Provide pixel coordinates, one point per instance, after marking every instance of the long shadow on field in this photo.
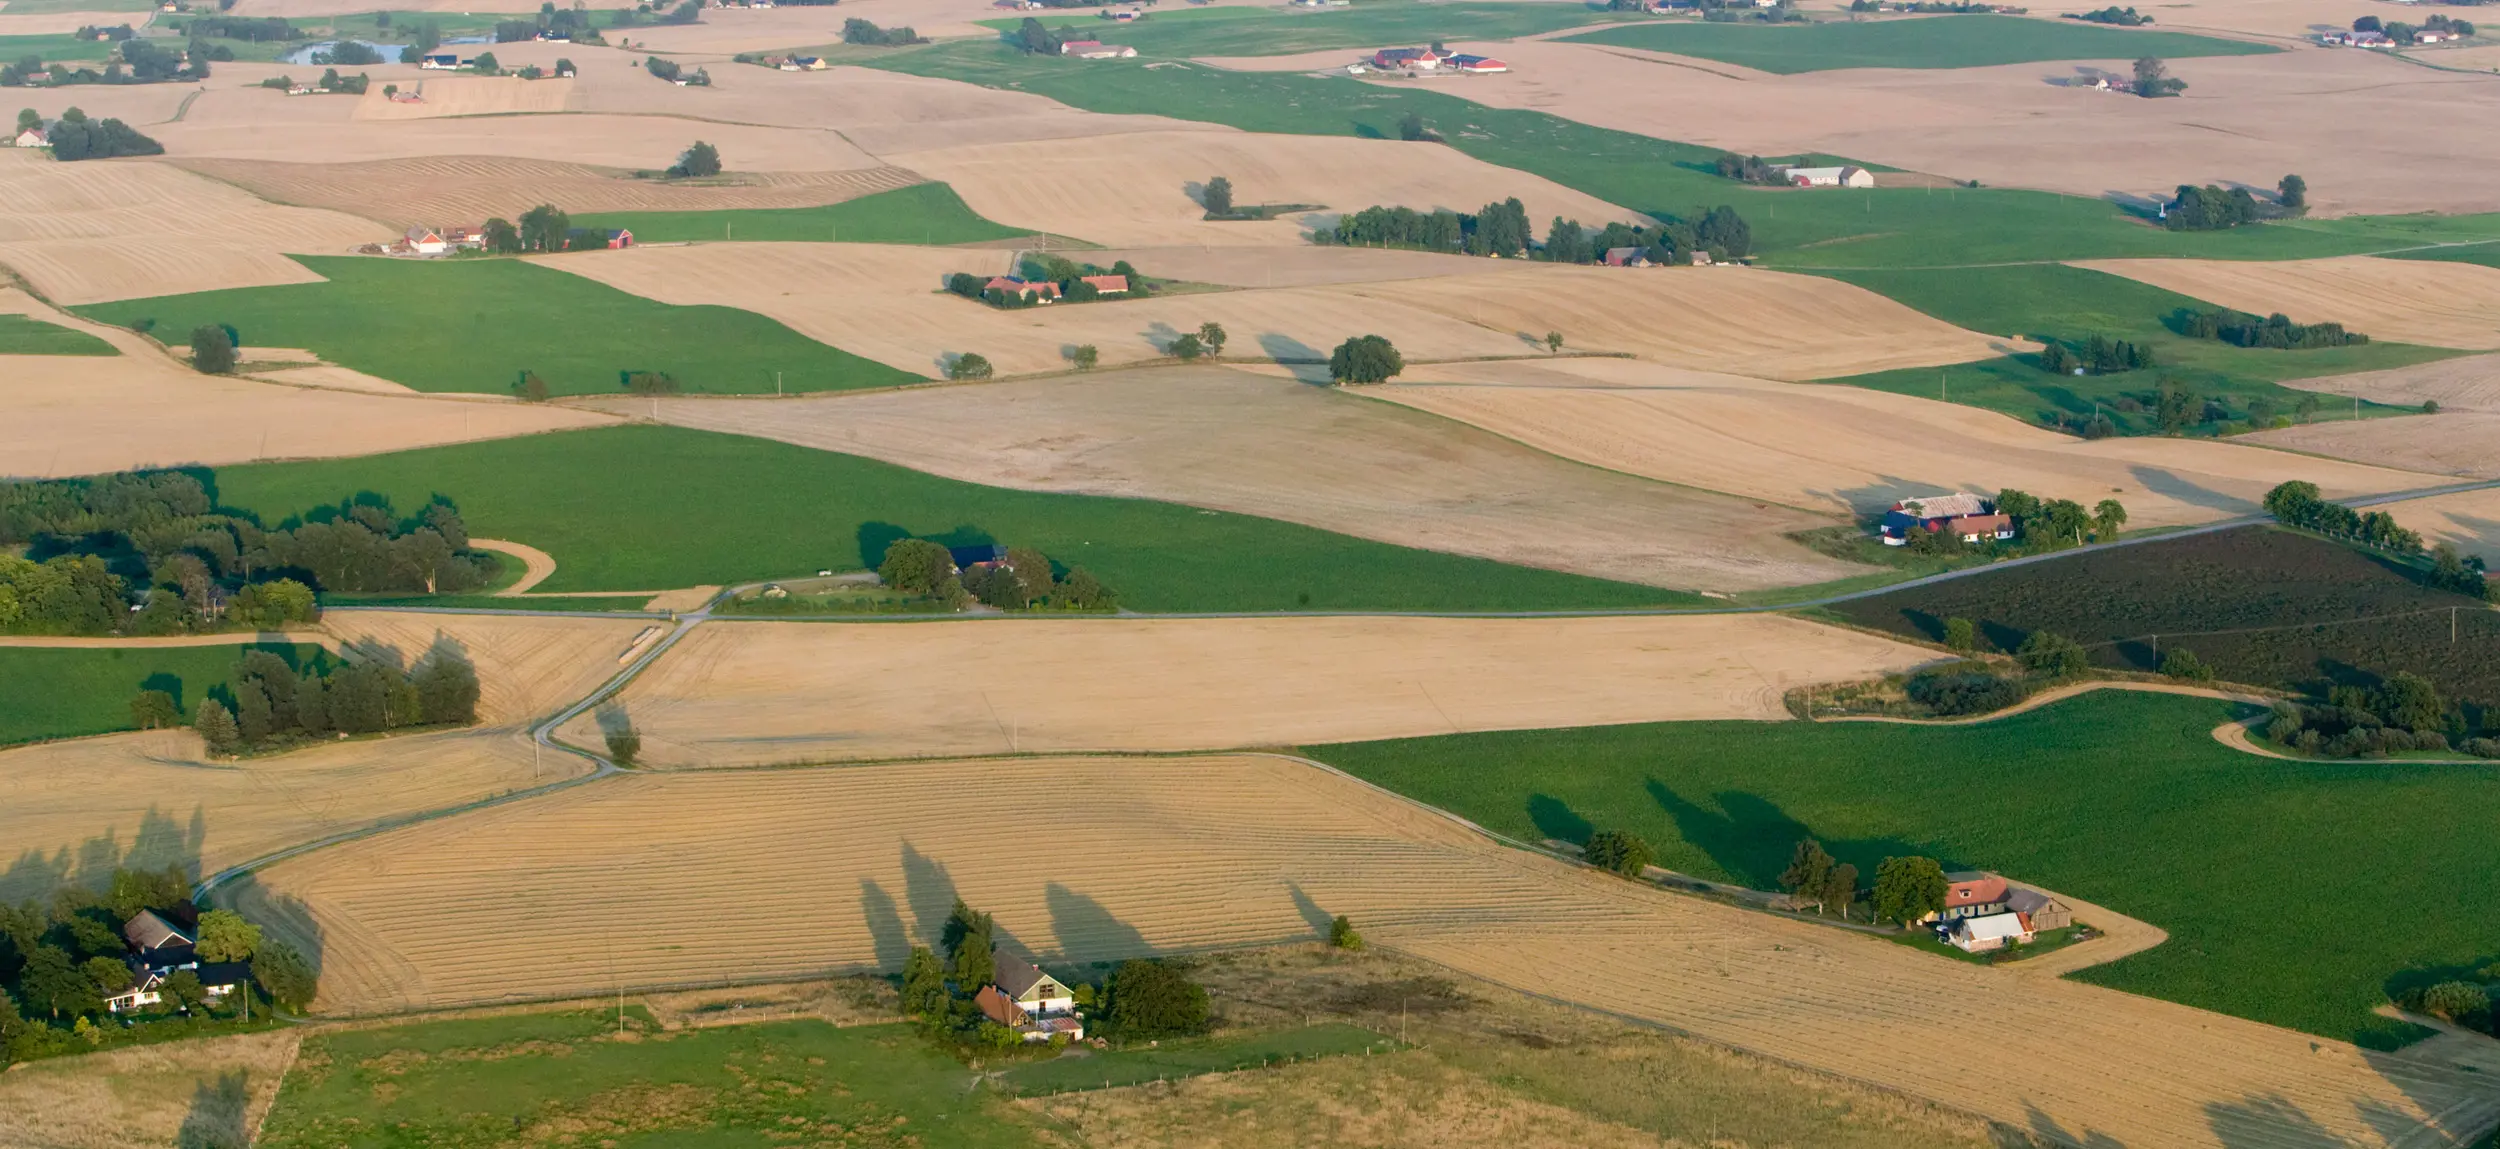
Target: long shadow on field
(2046, 1129)
(1554, 818)
(1306, 362)
(280, 916)
(2270, 1121)
(1081, 925)
(885, 925)
(877, 538)
(2161, 482)
(930, 893)
(1752, 839)
(219, 1116)
(161, 842)
(1318, 919)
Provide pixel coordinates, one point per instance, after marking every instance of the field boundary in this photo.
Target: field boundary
(2238, 734)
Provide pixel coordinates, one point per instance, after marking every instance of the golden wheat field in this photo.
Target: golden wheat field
(467, 96)
(750, 693)
(1256, 444)
(526, 666)
(88, 232)
(75, 415)
(1848, 449)
(2468, 521)
(439, 190)
(2465, 443)
(200, 1092)
(779, 873)
(2428, 301)
(1136, 189)
(2464, 383)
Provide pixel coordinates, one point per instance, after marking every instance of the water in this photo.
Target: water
(304, 55)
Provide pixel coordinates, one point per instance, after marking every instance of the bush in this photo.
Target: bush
(2455, 1000)
(2053, 655)
(969, 365)
(1365, 359)
(2186, 667)
(1152, 999)
(1619, 851)
(1341, 934)
(212, 350)
(1971, 689)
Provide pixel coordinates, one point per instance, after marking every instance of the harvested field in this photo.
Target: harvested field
(469, 96)
(1276, 448)
(734, 694)
(200, 1092)
(527, 666)
(49, 23)
(69, 415)
(86, 232)
(1297, 266)
(1135, 190)
(2468, 383)
(1847, 449)
(2465, 443)
(2427, 301)
(437, 188)
(514, 902)
(2469, 521)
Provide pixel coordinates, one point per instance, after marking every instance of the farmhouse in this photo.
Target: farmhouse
(441, 62)
(463, 235)
(1972, 894)
(159, 949)
(1107, 284)
(1844, 177)
(1478, 65)
(33, 138)
(1968, 517)
(1991, 932)
(1034, 1004)
(1418, 59)
(1627, 257)
(423, 240)
(1043, 290)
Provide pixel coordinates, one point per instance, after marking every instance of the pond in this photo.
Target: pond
(304, 55)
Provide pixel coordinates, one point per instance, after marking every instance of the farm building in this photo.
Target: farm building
(564, 69)
(1034, 1004)
(1419, 59)
(798, 63)
(2434, 37)
(1844, 177)
(1478, 65)
(1971, 518)
(441, 62)
(1627, 257)
(463, 235)
(1107, 284)
(619, 238)
(1972, 894)
(423, 240)
(1095, 50)
(1043, 290)
(1992, 932)
(159, 948)
(2043, 911)
(33, 138)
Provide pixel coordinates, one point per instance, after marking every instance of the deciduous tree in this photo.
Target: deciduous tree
(1808, 869)
(1218, 196)
(154, 710)
(1211, 334)
(1085, 356)
(1365, 359)
(1908, 889)
(217, 729)
(1620, 851)
(697, 162)
(212, 350)
(1151, 999)
(225, 936)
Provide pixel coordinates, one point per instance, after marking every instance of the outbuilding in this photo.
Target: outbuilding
(2043, 910)
(1841, 177)
(1991, 932)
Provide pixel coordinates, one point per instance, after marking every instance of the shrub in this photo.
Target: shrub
(648, 382)
(1152, 999)
(1969, 689)
(212, 350)
(1365, 359)
(1620, 851)
(2455, 1000)
(969, 365)
(1341, 934)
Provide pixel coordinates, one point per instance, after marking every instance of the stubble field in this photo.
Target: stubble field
(2469, 521)
(1281, 449)
(2466, 443)
(740, 694)
(516, 902)
(2435, 302)
(202, 1092)
(441, 190)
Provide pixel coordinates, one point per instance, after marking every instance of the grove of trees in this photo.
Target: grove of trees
(1813, 876)
(268, 705)
(2153, 79)
(75, 137)
(2275, 332)
(866, 34)
(1024, 580)
(1502, 229)
(2210, 208)
(697, 162)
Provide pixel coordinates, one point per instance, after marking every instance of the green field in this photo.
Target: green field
(929, 213)
(476, 324)
(1282, 31)
(1173, 1060)
(2069, 304)
(1927, 42)
(643, 507)
(1881, 227)
(70, 692)
(567, 1078)
(23, 335)
(2291, 890)
(59, 47)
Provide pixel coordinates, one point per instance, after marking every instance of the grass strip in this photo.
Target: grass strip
(929, 213)
(1173, 1060)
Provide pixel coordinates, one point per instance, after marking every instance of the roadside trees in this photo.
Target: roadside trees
(1620, 851)
(1908, 889)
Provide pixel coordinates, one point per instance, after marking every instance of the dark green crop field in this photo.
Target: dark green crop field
(2291, 890)
(2052, 301)
(69, 692)
(929, 213)
(23, 335)
(476, 324)
(643, 508)
(1283, 31)
(2262, 606)
(1926, 42)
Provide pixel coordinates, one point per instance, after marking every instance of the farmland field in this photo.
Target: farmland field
(2344, 617)
(1934, 42)
(25, 335)
(66, 692)
(929, 213)
(2118, 798)
(546, 1078)
(392, 318)
(197, 1092)
(1280, 31)
(642, 508)
(2071, 304)
(1179, 1059)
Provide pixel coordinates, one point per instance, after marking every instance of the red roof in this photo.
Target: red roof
(1014, 286)
(999, 1007)
(1975, 890)
(1108, 284)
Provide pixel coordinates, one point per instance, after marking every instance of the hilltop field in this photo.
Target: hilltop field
(1236, 621)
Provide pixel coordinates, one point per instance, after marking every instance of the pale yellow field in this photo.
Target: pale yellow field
(2427, 301)
(93, 231)
(752, 693)
(1260, 445)
(2465, 383)
(1135, 190)
(780, 873)
(145, 1097)
(2466, 443)
(2469, 521)
(467, 96)
(1849, 449)
(60, 23)
(441, 191)
(75, 415)
(73, 810)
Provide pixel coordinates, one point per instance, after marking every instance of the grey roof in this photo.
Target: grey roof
(2025, 901)
(1016, 975)
(149, 931)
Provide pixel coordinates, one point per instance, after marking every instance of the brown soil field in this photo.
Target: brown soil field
(1847, 449)
(2427, 301)
(734, 694)
(146, 1096)
(2465, 443)
(440, 189)
(519, 901)
(468, 96)
(1254, 444)
(1134, 190)
(88, 232)
(78, 415)
(2465, 383)
(2469, 521)
(73, 810)
(1988, 123)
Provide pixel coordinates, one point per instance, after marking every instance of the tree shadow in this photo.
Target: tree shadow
(886, 934)
(1082, 926)
(281, 915)
(2271, 1121)
(1309, 364)
(160, 843)
(2046, 1128)
(929, 892)
(220, 1115)
(612, 717)
(1554, 818)
(1751, 839)
(2162, 482)
(168, 682)
(1312, 915)
(877, 538)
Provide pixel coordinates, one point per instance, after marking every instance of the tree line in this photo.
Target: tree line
(2210, 208)
(1502, 229)
(2122, 17)
(155, 540)
(2099, 355)
(59, 960)
(1025, 579)
(2297, 504)
(75, 137)
(268, 706)
(867, 34)
(2275, 332)
(672, 72)
(2404, 712)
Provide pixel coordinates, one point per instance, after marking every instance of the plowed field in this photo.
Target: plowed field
(780, 873)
